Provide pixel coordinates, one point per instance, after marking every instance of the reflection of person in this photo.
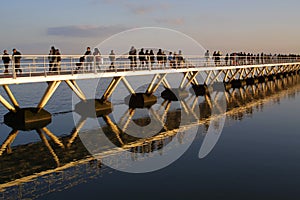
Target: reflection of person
(112, 58)
(17, 60)
(6, 60)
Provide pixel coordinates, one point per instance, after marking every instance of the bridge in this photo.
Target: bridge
(35, 69)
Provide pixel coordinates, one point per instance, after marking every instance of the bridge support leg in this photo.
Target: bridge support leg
(190, 77)
(49, 92)
(154, 86)
(75, 88)
(11, 96)
(128, 86)
(111, 88)
(7, 105)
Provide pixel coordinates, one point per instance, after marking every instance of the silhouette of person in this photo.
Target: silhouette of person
(142, 58)
(51, 58)
(159, 57)
(147, 57)
(6, 60)
(57, 60)
(97, 56)
(180, 59)
(89, 58)
(112, 58)
(152, 58)
(132, 57)
(17, 60)
(171, 59)
(206, 55)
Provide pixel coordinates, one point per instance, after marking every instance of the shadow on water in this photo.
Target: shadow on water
(56, 163)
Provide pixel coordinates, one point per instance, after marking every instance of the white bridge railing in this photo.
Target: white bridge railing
(41, 65)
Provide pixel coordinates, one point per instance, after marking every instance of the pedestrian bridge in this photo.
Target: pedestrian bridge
(236, 71)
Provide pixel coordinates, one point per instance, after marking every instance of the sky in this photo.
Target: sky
(33, 26)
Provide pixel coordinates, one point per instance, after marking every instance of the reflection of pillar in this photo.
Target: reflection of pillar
(9, 140)
(46, 142)
(156, 116)
(129, 115)
(114, 128)
(53, 137)
(77, 128)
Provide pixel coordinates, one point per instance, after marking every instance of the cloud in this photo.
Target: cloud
(175, 21)
(84, 30)
(140, 10)
(146, 8)
(136, 8)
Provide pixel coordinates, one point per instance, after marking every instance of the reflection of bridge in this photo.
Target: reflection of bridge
(35, 69)
(62, 155)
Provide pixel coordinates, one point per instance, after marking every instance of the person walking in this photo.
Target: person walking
(6, 61)
(17, 60)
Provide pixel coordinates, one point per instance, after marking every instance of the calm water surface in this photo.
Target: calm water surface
(256, 157)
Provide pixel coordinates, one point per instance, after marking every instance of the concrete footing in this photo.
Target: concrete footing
(28, 119)
(174, 94)
(199, 90)
(140, 100)
(93, 108)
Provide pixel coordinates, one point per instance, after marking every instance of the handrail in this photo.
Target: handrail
(45, 65)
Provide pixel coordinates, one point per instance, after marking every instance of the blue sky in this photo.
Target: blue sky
(32, 26)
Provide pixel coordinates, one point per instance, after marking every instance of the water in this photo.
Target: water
(257, 155)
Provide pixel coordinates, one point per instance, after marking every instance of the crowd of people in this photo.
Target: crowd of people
(147, 58)
(243, 58)
(138, 59)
